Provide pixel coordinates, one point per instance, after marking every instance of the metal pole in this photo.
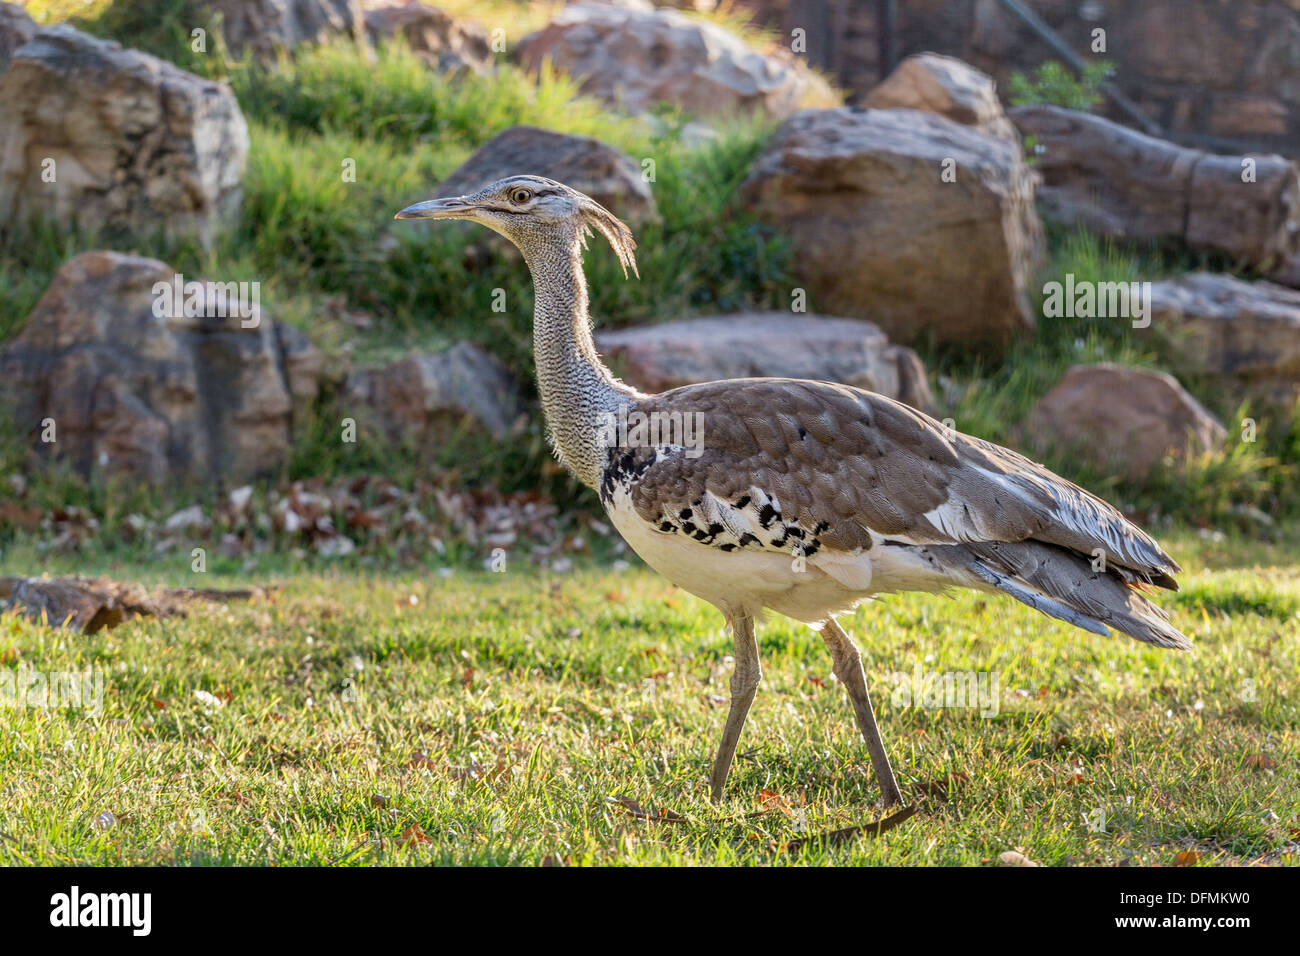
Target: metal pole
(1078, 64)
(886, 35)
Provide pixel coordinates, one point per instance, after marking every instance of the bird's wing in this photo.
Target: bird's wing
(833, 466)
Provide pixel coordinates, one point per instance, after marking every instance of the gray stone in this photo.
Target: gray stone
(878, 233)
(132, 389)
(111, 139)
(656, 358)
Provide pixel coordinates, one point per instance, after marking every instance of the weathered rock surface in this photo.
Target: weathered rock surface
(1119, 182)
(113, 139)
(607, 175)
(1199, 68)
(434, 396)
(1244, 334)
(943, 85)
(16, 28)
(656, 358)
(1125, 420)
(91, 605)
(133, 389)
(878, 233)
(268, 27)
(438, 38)
(635, 59)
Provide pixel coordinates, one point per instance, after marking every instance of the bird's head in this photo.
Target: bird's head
(535, 214)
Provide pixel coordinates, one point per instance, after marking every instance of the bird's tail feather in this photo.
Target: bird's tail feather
(1064, 585)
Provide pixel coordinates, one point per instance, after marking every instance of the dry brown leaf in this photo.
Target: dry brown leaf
(413, 836)
(1258, 762)
(1014, 858)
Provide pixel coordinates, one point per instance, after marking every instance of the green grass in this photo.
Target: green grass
(539, 700)
(502, 716)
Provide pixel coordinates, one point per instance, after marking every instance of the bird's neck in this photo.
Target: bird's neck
(578, 392)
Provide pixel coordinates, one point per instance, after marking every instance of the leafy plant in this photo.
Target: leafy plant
(1052, 84)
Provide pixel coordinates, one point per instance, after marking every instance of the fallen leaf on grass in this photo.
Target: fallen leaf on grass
(1014, 858)
(1187, 858)
(420, 760)
(1259, 762)
(636, 811)
(413, 836)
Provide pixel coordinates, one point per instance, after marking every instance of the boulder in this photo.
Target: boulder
(1244, 335)
(879, 232)
(109, 139)
(635, 59)
(607, 175)
(16, 28)
(448, 44)
(134, 385)
(1121, 420)
(656, 358)
(1119, 182)
(947, 86)
(425, 397)
(269, 27)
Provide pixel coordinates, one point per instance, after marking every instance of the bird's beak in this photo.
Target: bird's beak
(456, 208)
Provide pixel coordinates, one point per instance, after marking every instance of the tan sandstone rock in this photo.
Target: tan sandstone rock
(432, 397)
(1245, 335)
(943, 85)
(448, 44)
(656, 358)
(878, 233)
(114, 140)
(1121, 420)
(1119, 182)
(132, 389)
(635, 59)
(16, 28)
(268, 27)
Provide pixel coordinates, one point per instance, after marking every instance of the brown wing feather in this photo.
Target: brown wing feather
(852, 460)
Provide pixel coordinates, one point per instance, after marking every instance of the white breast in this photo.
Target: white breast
(806, 589)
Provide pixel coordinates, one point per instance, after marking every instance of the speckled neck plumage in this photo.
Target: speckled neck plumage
(575, 386)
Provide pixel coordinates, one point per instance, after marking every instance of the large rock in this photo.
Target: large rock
(16, 28)
(448, 44)
(635, 59)
(1245, 335)
(1121, 420)
(878, 233)
(758, 344)
(425, 397)
(607, 175)
(269, 27)
(111, 139)
(135, 386)
(943, 85)
(1119, 182)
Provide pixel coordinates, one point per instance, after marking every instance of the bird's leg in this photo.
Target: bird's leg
(744, 683)
(847, 663)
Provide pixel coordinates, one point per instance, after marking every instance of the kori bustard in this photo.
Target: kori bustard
(804, 497)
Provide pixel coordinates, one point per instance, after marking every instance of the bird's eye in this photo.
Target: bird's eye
(520, 196)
